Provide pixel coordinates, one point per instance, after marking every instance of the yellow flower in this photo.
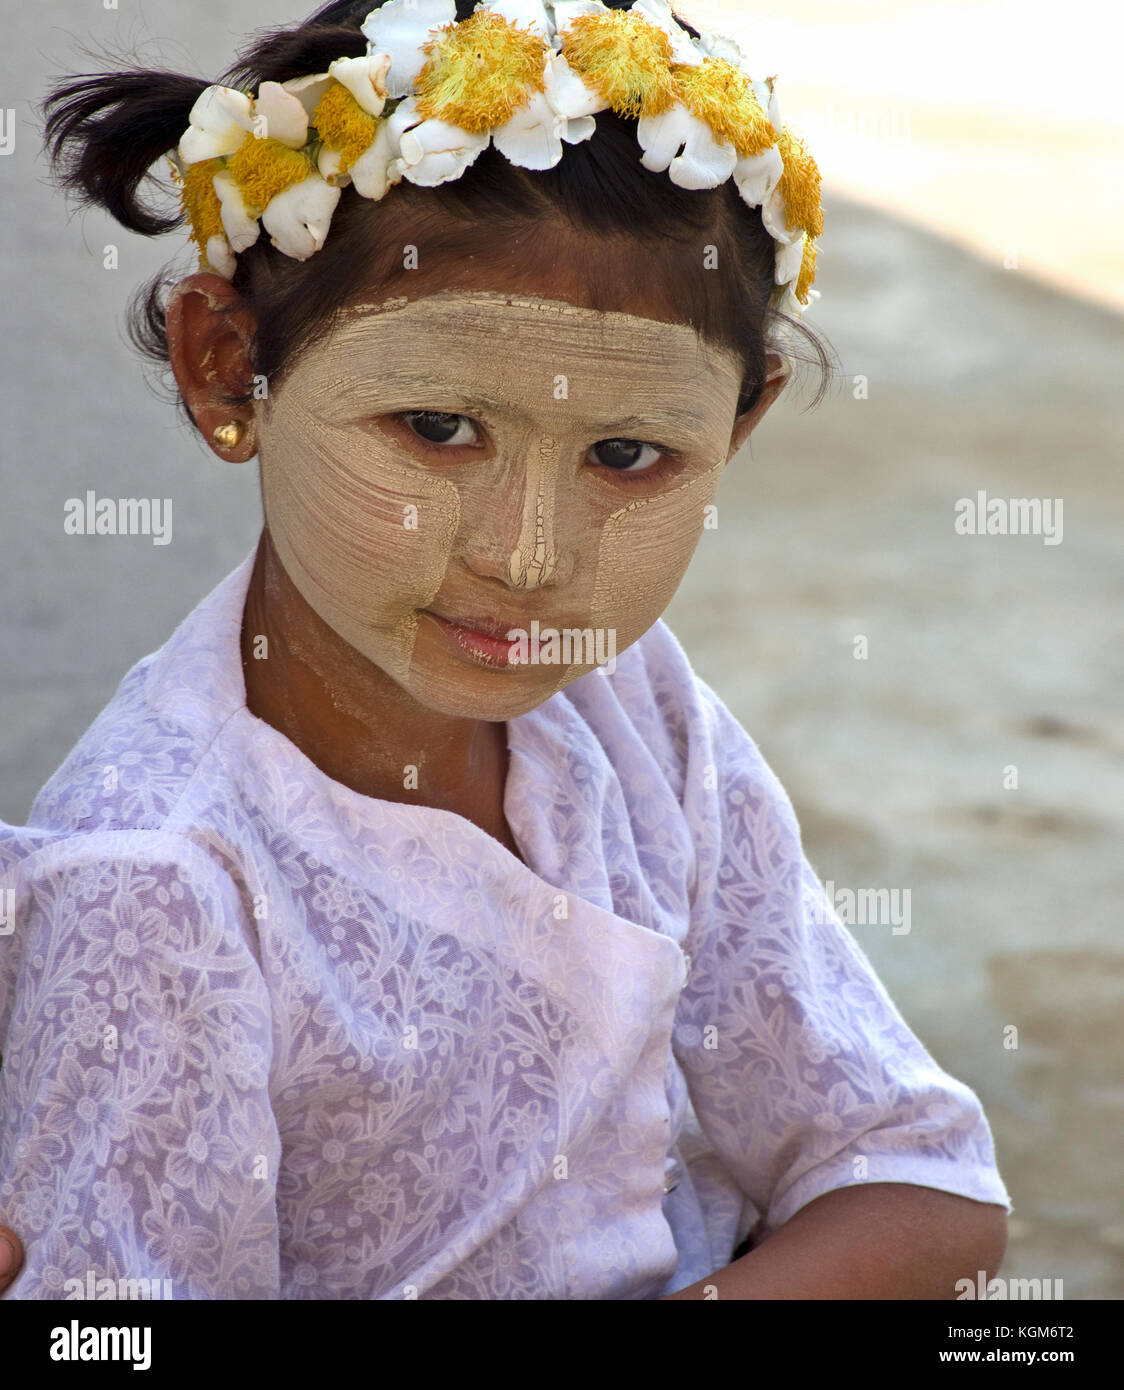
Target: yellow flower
(625, 58)
(807, 270)
(201, 204)
(343, 125)
(264, 168)
(799, 186)
(478, 74)
(723, 99)
(398, 29)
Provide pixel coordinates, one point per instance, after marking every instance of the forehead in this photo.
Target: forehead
(496, 348)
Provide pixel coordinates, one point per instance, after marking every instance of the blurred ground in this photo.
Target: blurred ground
(985, 652)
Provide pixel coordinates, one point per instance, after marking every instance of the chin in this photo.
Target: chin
(464, 690)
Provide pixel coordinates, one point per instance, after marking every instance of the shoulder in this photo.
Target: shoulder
(127, 770)
(135, 912)
(33, 854)
(59, 877)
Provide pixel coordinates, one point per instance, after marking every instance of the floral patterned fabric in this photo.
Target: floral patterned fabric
(264, 1037)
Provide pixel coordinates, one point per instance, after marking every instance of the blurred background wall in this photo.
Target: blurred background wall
(970, 749)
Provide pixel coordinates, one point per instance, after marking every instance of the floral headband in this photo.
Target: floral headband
(525, 75)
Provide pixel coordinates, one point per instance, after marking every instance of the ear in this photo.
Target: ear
(209, 350)
(778, 372)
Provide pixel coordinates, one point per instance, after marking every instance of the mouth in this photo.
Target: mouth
(484, 644)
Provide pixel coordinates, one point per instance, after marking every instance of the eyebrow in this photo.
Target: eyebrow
(399, 378)
(682, 417)
(690, 419)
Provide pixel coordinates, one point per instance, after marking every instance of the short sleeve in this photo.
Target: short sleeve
(137, 1139)
(802, 1073)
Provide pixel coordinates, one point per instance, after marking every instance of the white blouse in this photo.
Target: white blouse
(265, 1037)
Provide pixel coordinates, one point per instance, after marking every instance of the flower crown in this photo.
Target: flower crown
(527, 76)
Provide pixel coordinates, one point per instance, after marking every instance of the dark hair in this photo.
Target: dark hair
(106, 131)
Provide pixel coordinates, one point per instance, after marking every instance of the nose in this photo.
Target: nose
(534, 560)
(513, 533)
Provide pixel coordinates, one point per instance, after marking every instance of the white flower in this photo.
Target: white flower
(370, 172)
(380, 165)
(279, 115)
(365, 79)
(789, 259)
(766, 95)
(522, 13)
(309, 90)
(399, 28)
(567, 93)
(722, 46)
(773, 216)
(565, 11)
(222, 118)
(433, 151)
(756, 175)
(704, 163)
(683, 48)
(772, 203)
(531, 138)
(298, 219)
(241, 229)
(785, 300)
(577, 129)
(218, 123)
(220, 257)
(328, 167)
(436, 152)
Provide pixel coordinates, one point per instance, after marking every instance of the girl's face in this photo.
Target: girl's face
(486, 457)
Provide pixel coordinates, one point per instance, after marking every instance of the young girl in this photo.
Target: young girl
(415, 922)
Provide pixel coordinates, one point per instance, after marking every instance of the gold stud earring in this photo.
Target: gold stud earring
(229, 436)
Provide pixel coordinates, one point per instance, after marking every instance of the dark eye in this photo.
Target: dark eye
(438, 427)
(626, 455)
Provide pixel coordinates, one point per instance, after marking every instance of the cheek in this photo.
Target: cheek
(644, 553)
(359, 532)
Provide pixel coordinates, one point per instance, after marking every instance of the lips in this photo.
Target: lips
(485, 640)
(488, 627)
(484, 647)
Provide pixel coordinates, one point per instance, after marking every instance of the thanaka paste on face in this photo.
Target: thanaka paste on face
(371, 530)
